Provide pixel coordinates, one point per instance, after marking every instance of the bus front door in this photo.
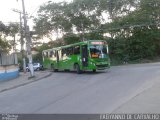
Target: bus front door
(57, 59)
(84, 55)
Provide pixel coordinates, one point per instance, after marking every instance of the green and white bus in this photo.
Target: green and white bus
(88, 55)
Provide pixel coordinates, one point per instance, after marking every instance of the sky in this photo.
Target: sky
(6, 6)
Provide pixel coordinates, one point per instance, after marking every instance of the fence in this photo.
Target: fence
(8, 59)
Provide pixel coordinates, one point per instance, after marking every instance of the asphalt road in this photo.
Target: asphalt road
(68, 92)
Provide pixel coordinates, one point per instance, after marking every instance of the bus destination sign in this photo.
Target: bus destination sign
(98, 43)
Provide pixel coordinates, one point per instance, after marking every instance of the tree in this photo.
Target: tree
(138, 32)
(12, 30)
(4, 45)
(117, 8)
(78, 16)
(132, 24)
(52, 19)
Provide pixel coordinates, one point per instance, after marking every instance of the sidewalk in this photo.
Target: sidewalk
(146, 102)
(23, 80)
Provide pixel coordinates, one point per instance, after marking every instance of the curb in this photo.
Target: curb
(48, 75)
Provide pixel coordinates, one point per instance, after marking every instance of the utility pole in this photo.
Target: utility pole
(21, 39)
(28, 40)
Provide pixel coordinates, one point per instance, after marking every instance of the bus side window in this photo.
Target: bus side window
(64, 52)
(67, 51)
(45, 54)
(60, 54)
(55, 54)
(70, 51)
(51, 54)
(76, 50)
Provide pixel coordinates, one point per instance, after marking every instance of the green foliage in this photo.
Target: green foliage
(2, 27)
(134, 25)
(80, 15)
(4, 45)
(137, 34)
(117, 8)
(71, 38)
(94, 36)
(11, 30)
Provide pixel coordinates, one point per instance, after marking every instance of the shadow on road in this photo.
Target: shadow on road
(84, 72)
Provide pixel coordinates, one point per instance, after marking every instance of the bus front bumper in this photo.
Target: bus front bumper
(102, 66)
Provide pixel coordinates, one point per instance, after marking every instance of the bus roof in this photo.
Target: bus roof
(70, 45)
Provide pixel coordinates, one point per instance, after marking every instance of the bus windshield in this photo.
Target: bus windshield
(98, 51)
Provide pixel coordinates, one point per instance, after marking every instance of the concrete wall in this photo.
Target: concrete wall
(9, 68)
(8, 59)
(9, 72)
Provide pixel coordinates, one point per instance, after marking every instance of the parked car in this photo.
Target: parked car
(36, 67)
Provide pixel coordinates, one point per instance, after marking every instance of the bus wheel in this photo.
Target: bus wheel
(54, 70)
(94, 70)
(78, 69)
